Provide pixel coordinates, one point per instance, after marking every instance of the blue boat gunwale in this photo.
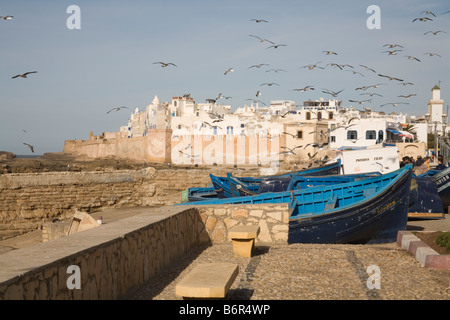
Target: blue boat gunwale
(394, 176)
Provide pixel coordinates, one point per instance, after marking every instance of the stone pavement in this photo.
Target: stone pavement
(315, 272)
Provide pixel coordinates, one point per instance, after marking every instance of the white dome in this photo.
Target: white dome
(155, 100)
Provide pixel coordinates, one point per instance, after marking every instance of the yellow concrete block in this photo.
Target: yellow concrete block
(244, 232)
(210, 280)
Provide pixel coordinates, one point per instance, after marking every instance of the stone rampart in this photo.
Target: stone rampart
(27, 200)
(108, 261)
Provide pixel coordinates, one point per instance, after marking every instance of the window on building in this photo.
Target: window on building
(308, 116)
(352, 134)
(299, 134)
(330, 115)
(380, 136)
(319, 115)
(179, 126)
(242, 125)
(174, 103)
(371, 135)
(229, 130)
(333, 139)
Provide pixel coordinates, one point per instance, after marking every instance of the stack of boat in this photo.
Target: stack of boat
(328, 207)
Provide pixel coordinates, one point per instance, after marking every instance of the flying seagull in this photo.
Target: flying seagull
(24, 75)
(9, 18)
(116, 109)
(434, 32)
(367, 68)
(276, 70)
(423, 19)
(389, 77)
(312, 66)
(393, 52)
(432, 54)
(334, 94)
(408, 96)
(277, 45)
(329, 52)
(258, 65)
(165, 64)
(228, 71)
(412, 58)
(256, 101)
(304, 89)
(259, 20)
(394, 104)
(392, 46)
(429, 12)
(261, 39)
(29, 146)
(269, 84)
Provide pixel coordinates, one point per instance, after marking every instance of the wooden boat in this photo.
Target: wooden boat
(442, 180)
(224, 189)
(367, 210)
(373, 214)
(293, 183)
(427, 203)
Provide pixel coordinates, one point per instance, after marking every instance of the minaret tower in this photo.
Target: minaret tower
(436, 109)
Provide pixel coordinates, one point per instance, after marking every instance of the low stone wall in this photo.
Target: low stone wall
(27, 200)
(118, 257)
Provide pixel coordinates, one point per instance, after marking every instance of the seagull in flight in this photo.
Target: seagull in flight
(412, 58)
(434, 32)
(429, 12)
(9, 18)
(423, 19)
(389, 77)
(307, 88)
(371, 94)
(269, 84)
(256, 101)
(329, 52)
(259, 20)
(258, 65)
(24, 75)
(393, 52)
(29, 146)
(277, 45)
(367, 68)
(165, 64)
(356, 72)
(276, 70)
(334, 94)
(432, 54)
(261, 39)
(312, 66)
(228, 71)
(116, 109)
(361, 101)
(408, 96)
(392, 46)
(394, 104)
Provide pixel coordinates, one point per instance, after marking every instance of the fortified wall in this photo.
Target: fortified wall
(161, 147)
(28, 200)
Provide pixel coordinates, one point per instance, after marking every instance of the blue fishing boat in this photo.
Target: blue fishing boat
(225, 189)
(360, 211)
(442, 179)
(293, 182)
(427, 202)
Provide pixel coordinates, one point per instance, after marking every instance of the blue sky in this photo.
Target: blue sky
(84, 73)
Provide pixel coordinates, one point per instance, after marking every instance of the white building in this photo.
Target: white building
(435, 112)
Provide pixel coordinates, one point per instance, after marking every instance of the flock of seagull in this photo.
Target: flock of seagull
(391, 50)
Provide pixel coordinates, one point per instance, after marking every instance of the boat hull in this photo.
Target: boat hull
(376, 220)
(442, 179)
